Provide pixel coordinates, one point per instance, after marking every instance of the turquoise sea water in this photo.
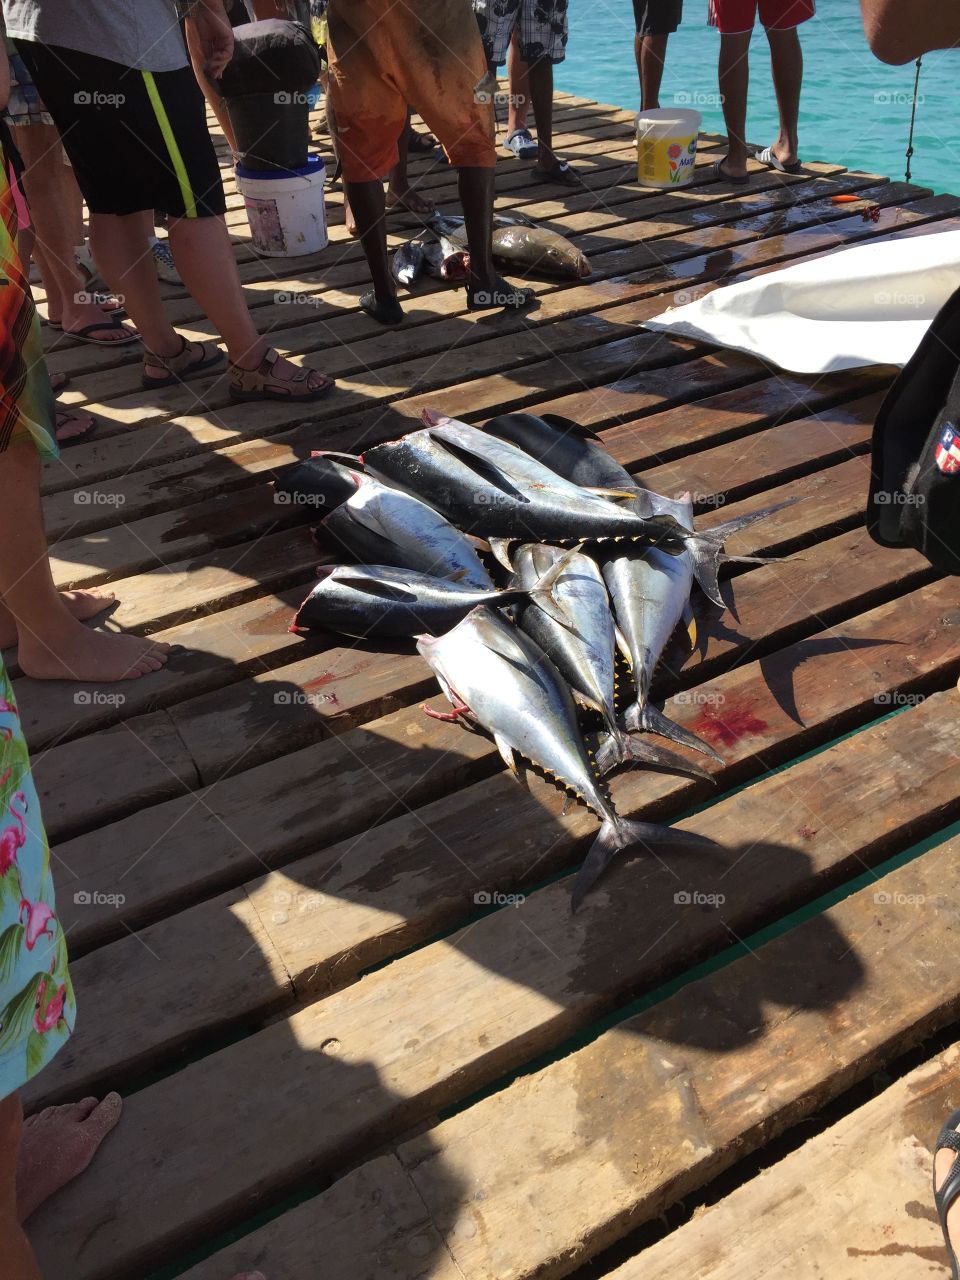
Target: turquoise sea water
(855, 110)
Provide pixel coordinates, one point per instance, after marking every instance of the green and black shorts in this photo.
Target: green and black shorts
(136, 139)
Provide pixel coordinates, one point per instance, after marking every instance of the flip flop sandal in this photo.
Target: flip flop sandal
(260, 384)
(520, 143)
(767, 157)
(382, 312)
(393, 210)
(948, 1193)
(735, 180)
(86, 333)
(560, 172)
(502, 296)
(181, 367)
(64, 417)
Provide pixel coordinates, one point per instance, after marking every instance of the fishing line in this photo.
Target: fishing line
(913, 116)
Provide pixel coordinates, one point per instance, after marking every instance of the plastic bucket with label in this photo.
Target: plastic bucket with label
(667, 146)
(285, 209)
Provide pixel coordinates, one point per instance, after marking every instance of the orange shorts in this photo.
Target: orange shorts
(386, 56)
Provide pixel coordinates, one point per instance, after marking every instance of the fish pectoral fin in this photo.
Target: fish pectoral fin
(349, 459)
(483, 467)
(370, 587)
(568, 426)
(507, 754)
(500, 550)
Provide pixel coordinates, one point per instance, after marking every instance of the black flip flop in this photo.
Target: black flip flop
(382, 312)
(502, 297)
(85, 334)
(420, 143)
(766, 157)
(735, 180)
(560, 172)
(948, 1193)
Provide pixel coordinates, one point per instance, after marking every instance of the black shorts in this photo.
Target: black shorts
(136, 139)
(657, 17)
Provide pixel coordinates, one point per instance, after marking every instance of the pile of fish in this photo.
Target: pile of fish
(594, 571)
(519, 245)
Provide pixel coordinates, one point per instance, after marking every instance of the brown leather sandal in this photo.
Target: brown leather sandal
(184, 365)
(261, 384)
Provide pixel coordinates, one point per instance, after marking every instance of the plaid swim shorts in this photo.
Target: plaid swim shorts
(25, 105)
(541, 24)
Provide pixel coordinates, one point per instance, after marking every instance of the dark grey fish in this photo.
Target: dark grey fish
(408, 263)
(493, 489)
(379, 600)
(499, 677)
(319, 482)
(576, 454)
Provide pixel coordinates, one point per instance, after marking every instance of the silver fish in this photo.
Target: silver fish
(379, 600)
(583, 648)
(500, 678)
(523, 246)
(380, 525)
(651, 594)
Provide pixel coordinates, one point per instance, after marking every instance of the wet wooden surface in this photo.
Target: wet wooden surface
(277, 874)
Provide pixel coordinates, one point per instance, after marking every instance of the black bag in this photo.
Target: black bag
(272, 56)
(915, 477)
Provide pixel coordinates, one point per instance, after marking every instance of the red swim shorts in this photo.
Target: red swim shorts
(734, 17)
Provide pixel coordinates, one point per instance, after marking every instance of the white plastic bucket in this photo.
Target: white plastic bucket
(285, 209)
(667, 146)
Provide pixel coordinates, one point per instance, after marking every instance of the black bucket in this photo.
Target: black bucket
(272, 129)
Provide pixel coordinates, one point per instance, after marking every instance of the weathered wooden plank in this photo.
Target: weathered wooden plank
(865, 1184)
(566, 1161)
(511, 984)
(324, 928)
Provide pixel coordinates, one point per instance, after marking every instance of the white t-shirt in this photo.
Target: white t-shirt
(144, 34)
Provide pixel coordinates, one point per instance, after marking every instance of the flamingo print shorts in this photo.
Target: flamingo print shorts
(36, 999)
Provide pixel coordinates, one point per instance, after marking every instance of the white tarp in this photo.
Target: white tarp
(870, 304)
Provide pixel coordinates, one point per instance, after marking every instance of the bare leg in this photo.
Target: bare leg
(400, 194)
(651, 53)
(123, 255)
(19, 1262)
(734, 79)
(541, 95)
(57, 211)
(53, 644)
(786, 63)
(476, 196)
(518, 73)
(369, 209)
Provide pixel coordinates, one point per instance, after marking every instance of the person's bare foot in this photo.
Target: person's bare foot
(76, 652)
(81, 605)
(410, 201)
(57, 1145)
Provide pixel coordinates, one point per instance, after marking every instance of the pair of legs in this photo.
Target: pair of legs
(786, 61)
(40, 1155)
(651, 53)
(531, 85)
(56, 210)
(400, 194)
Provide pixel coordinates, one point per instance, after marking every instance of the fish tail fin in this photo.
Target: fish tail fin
(617, 835)
(619, 748)
(649, 719)
(706, 548)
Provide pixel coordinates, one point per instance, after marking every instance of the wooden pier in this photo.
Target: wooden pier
(323, 944)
